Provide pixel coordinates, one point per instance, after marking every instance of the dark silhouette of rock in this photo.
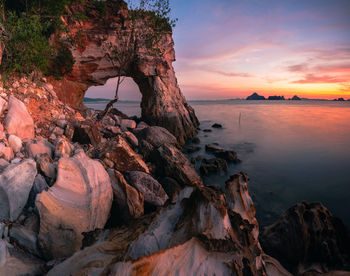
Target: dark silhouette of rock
(276, 98)
(296, 98)
(196, 140)
(207, 130)
(307, 236)
(216, 125)
(192, 149)
(255, 96)
(213, 165)
(219, 152)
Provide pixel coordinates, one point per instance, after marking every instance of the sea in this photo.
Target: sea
(293, 151)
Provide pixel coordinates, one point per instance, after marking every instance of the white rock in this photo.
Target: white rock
(15, 184)
(18, 121)
(15, 143)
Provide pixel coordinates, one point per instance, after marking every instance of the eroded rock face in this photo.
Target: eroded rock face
(79, 201)
(201, 231)
(307, 237)
(162, 101)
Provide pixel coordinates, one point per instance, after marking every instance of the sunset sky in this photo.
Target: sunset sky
(232, 48)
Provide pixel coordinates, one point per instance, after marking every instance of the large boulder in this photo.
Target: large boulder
(156, 136)
(307, 237)
(129, 200)
(78, 202)
(171, 162)
(15, 184)
(122, 155)
(18, 121)
(39, 146)
(151, 189)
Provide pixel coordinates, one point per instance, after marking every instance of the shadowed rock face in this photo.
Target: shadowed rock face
(162, 101)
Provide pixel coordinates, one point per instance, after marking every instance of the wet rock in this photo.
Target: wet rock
(45, 164)
(213, 148)
(196, 140)
(39, 146)
(207, 130)
(171, 162)
(216, 125)
(192, 149)
(151, 189)
(127, 124)
(39, 186)
(122, 155)
(157, 136)
(15, 184)
(18, 121)
(26, 239)
(78, 202)
(213, 165)
(219, 152)
(15, 143)
(307, 237)
(129, 200)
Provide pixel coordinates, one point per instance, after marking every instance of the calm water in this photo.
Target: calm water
(292, 151)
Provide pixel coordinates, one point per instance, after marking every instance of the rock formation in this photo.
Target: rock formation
(307, 237)
(162, 101)
(79, 202)
(255, 96)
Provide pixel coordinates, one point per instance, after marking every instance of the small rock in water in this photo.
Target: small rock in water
(191, 149)
(196, 140)
(216, 125)
(207, 130)
(214, 165)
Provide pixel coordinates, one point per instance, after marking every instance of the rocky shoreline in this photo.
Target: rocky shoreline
(119, 197)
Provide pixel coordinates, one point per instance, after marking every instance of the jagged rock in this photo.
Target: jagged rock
(162, 101)
(18, 121)
(255, 96)
(151, 189)
(307, 237)
(213, 165)
(63, 148)
(171, 162)
(6, 152)
(131, 138)
(15, 262)
(129, 200)
(127, 124)
(39, 186)
(145, 149)
(78, 202)
(15, 143)
(219, 152)
(45, 164)
(15, 184)
(201, 231)
(171, 187)
(3, 105)
(87, 133)
(157, 136)
(39, 146)
(25, 238)
(122, 155)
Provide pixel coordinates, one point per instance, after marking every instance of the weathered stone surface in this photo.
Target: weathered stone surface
(151, 189)
(213, 165)
(129, 200)
(15, 184)
(162, 101)
(127, 124)
(18, 121)
(15, 143)
(122, 155)
(63, 148)
(45, 164)
(157, 136)
(39, 146)
(170, 161)
(79, 201)
(3, 105)
(15, 262)
(25, 238)
(131, 138)
(6, 152)
(87, 133)
(307, 237)
(39, 186)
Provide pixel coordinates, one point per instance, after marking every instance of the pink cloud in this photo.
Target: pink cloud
(311, 78)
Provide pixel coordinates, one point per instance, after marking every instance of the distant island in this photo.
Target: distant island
(256, 97)
(87, 100)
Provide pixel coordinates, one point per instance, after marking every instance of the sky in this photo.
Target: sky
(231, 48)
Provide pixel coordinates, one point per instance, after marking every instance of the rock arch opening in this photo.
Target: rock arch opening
(129, 96)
